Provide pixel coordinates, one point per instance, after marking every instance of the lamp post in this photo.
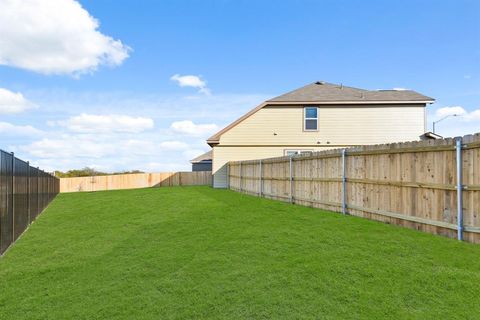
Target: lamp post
(448, 116)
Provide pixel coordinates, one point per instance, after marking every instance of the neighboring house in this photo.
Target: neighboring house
(316, 117)
(430, 136)
(202, 162)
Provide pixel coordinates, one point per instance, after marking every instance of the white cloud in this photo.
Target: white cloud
(91, 123)
(459, 111)
(191, 81)
(71, 146)
(474, 115)
(13, 102)
(14, 130)
(450, 111)
(400, 89)
(108, 152)
(193, 153)
(54, 37)
(68, 147)
(187, 127)
(467, 122)
(174, 145)
(62, 149)
(167, 166)
(138, 147)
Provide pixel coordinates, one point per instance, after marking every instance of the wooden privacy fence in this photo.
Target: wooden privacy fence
(432, 186)
(135, 180)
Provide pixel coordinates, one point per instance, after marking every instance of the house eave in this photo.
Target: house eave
(347, 102)
(213, 143)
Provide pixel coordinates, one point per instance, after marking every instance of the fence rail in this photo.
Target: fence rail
(135, 180)
(432, 186)
(24, 192)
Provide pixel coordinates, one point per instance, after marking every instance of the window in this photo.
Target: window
(292, 153)
(310, 119)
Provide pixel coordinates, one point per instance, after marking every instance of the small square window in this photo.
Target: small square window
(310, 119)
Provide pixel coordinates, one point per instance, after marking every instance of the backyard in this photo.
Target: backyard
(198, 253)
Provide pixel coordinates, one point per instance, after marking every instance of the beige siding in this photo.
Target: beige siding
(341, 125)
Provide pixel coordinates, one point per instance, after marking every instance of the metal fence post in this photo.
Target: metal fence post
(13, 197)
(344, 181)
(458, 148)
(261, 178)
(291, 179)
(38, 192)
(28, 192)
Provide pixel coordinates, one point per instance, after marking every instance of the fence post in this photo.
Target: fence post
(344, 181)
(228, 175)
(458, 148)
(38, 193)
(261, 178)
(28, 191)
(13, 197)
(241, 173)
(291, 179)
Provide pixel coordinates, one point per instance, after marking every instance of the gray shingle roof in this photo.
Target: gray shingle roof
(203, 157)
(328, 92)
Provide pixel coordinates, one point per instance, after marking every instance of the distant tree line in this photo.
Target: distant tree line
(87, 172)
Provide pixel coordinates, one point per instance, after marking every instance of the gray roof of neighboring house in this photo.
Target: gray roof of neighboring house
(321, 91)
(431, 135)
(207, 156)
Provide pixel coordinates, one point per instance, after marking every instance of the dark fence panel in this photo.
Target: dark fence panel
(34, 204)
(6, 194)
(20, 197)
(24, 192)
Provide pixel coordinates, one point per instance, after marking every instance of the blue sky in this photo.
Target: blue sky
(105, 97)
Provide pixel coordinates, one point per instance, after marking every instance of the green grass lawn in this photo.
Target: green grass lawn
(200, 253)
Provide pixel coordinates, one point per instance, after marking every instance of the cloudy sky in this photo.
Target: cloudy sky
(141, 84)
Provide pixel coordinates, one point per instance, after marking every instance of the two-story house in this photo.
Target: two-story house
(316, 117)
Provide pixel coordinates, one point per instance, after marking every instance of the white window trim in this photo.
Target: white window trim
(305, 119)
